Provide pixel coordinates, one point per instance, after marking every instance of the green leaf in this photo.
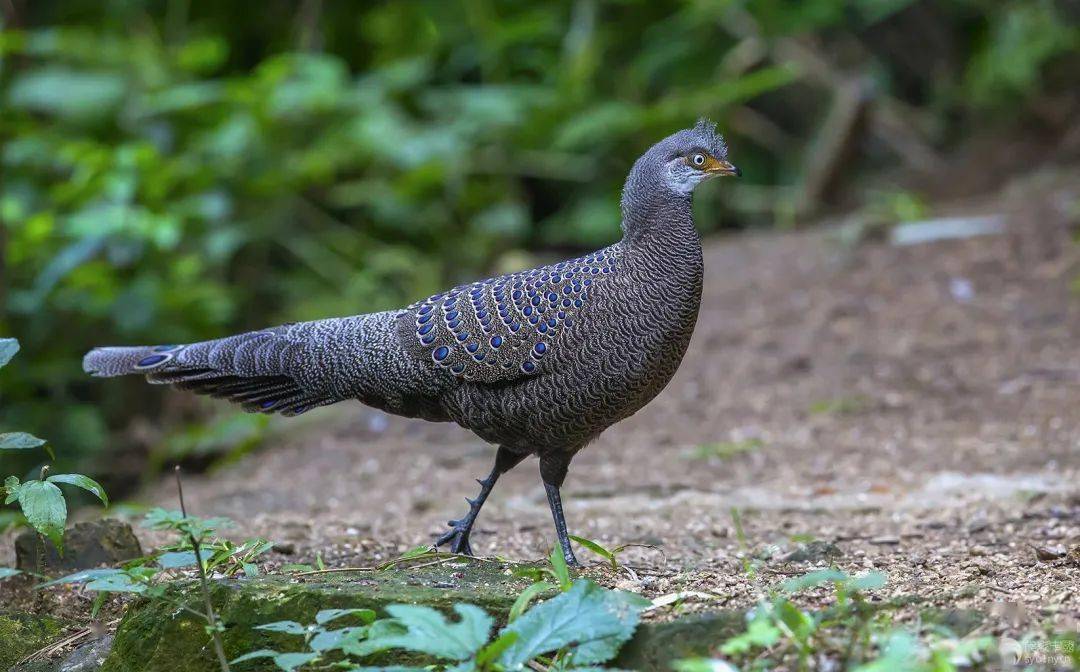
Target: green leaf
(45, 509)
(595, 621)
(327, 615)
(527, 596)
(329, 640)
(121, 582)
(492, 651)
(254, 655)
(82, 577)
(815, 578)
(290, 661)
(425, 630)
(702, 665)
(8, 572)
(8, 348)
(288, 627)
(558, 565)
(176, 559)
(84, 482)
(868, 581)
(761, 633)
(11, 485)
(598, 549)
(19, 441)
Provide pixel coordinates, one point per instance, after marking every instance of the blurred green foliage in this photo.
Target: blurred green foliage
(173, 171)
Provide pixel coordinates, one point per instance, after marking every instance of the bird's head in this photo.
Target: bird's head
(691, 156)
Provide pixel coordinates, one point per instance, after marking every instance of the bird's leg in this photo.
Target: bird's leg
(458, 536)
(553, 473)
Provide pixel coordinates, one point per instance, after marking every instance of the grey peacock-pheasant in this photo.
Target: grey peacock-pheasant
(538, 362)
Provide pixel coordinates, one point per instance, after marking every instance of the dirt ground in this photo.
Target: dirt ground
(915, 407)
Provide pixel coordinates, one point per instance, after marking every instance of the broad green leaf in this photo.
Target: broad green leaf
(45, 509)
(288, 627)
(595, 621)
(327, 615)
(176, 559)
(8, 572)
(67, 93)
(868, 581)
(329, 640)
(290, 661)
(19, 441)
(8, 348)
(84, 482)
(425, 630)
(82, 577)
(121, 582)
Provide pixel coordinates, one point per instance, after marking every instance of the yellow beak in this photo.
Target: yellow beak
(715, 167)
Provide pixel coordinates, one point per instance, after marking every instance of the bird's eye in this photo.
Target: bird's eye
(698, 160)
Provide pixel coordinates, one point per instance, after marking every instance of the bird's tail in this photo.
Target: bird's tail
(261, 370)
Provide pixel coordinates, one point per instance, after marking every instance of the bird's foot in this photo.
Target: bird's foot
(457, 537)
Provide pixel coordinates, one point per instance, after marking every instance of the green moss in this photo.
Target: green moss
(655, 645)
(22, 634)
(157, 635)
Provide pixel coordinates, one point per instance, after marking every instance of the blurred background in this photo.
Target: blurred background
(174, 171)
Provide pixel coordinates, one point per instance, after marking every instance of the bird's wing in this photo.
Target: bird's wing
(505, 328)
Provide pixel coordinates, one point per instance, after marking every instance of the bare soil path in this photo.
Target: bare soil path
(918, 408)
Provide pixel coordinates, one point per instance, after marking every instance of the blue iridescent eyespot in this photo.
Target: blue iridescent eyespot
(452, 315)
(553, 297)
(458, 368)
(481, 314)
(472, 347)
(440, 353)
(423, 318)
(267, 404)
(528, 367)
(534, 319)
(540, 348)
(496, 341)
(568, 322)
(463, 336)
(167, 348)
(454, 325)
(566, 303)
(543, 328)
(536, 301)
(152, 360)
(562, 314)
(577, 303)
(449, 304)
(425, 329)
(515, 326)
(424, 310)
(556, 278)
(516, 295)
(478, 356)
(552, 322)
(527, 311)
(567, 289)
(428, 339)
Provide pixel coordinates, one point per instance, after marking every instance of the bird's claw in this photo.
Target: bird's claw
(457, 537)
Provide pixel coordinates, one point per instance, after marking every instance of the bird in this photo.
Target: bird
(537, 362)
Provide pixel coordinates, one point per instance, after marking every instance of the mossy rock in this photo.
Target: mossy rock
(156, 635)
(655, 645)
(22, 634)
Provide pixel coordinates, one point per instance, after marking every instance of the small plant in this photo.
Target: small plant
(853, 631)
(41, 501)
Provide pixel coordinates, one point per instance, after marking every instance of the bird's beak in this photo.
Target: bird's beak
(722, 168)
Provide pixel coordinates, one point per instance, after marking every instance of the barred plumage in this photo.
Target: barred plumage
(538, 362)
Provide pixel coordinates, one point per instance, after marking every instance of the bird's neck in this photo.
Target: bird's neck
(657, 221)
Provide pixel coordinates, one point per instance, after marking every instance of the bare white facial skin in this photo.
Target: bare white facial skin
(682, 178)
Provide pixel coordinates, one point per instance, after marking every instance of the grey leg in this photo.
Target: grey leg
(458, 536)
(553, 473)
